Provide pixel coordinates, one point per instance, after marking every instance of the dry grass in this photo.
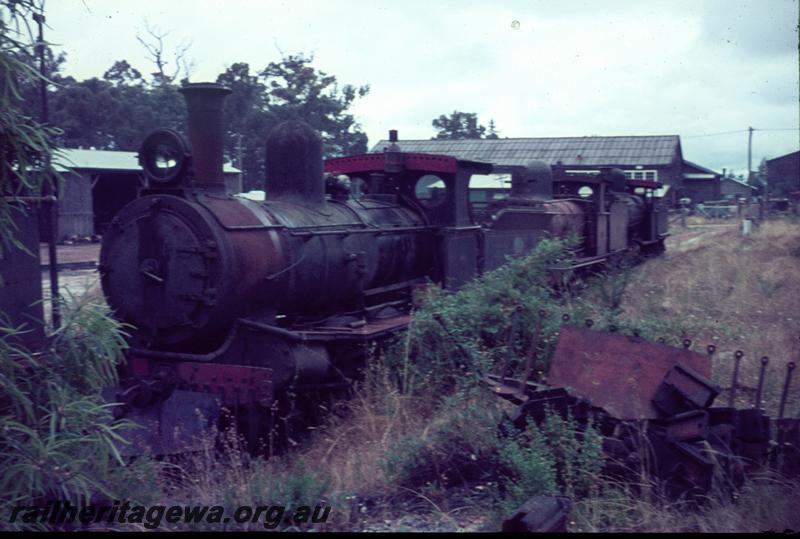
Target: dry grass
(352, 445)
(765, 503)
(744, 292)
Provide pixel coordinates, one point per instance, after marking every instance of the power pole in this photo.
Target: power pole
(749, 151)
(241, 162)
(48, 186)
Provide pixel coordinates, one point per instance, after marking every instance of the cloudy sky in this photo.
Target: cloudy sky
(539, 68)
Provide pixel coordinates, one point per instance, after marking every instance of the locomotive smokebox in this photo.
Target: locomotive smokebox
(534, 181)
(294, 163)
(204, 102)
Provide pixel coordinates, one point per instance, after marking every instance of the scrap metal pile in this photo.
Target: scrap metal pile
(652, 403)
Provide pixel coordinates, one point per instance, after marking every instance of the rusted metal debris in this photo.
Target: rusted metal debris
(540, 514)
(652, 403)
(619, 373)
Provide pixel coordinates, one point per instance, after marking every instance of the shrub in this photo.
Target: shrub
(458, 448)
(58, 437)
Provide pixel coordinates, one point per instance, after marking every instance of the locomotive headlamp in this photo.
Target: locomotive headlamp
(163, 156)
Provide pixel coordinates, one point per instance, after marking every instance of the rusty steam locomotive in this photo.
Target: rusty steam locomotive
(235, 302)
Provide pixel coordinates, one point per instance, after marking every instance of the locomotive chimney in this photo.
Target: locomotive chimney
(294, 163)
(204, 102)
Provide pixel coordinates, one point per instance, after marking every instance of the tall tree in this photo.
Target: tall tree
(153, 41)
(122, 73)
(492, 134)
(296, 90)
(291, 89)
(459, 125)
(247, 122)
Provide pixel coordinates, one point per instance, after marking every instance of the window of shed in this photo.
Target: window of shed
(430, 191)
(649, 175)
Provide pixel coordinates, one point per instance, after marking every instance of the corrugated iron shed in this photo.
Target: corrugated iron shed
(660, 150)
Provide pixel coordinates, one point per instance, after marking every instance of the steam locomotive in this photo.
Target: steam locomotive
(236, 303)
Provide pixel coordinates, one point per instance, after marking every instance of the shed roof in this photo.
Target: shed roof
(739, 182)
(571, 151)
(694, 170)
(75, 159)
(788, 155)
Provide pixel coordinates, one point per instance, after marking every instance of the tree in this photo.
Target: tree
(296, 90)
(459, 125)
(153, 42)
(122, 73)
(291, 89)
(247, 122)
(492, 134)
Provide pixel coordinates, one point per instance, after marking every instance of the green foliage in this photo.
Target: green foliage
(577, 453)
(615, 280)
(471, 334)
(465, 447)
(117, 111)
(58, 438)
(291, 89)
(460, 448)
(461, 125)
(25, 144)
(528, 468)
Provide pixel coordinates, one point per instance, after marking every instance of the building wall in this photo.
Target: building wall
(75, 215)
(735, 189)
(701, 190)
(110, 193)
(233, 183)
(784, 171)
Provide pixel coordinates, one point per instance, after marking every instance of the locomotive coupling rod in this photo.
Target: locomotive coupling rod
(764, 361)
(786, 384)
(737, 358)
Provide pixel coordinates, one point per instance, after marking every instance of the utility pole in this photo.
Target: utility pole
(47, 185)
(240, 156)
(749, 151)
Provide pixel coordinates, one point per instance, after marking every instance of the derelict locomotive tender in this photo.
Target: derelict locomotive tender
(238, 301)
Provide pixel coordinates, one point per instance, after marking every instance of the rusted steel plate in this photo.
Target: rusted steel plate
(689, 426)
(234, 384)
(616, 372)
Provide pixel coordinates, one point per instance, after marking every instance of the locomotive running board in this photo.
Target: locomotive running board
(372, 329)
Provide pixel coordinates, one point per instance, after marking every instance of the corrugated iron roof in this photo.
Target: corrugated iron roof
(74, 159)
(740, 182)
(571, 151)
(690, 167)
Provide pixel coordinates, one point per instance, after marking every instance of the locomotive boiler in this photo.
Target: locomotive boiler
(243, 304)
